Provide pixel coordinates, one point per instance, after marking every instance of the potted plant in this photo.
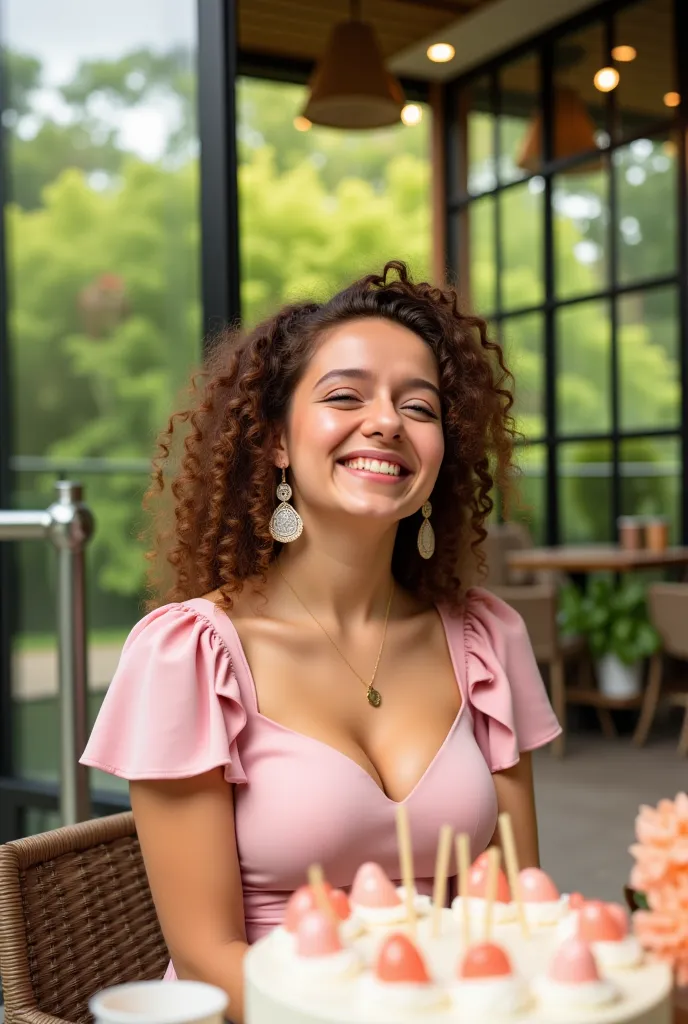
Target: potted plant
(615, 622)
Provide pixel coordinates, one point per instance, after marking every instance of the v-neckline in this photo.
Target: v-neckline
(238, 647)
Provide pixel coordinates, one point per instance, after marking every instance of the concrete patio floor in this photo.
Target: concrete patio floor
(588, 802)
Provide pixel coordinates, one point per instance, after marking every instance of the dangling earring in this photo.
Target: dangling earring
(426, 534)
(286, 524)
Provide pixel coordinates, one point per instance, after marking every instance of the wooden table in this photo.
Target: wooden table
(582, 560)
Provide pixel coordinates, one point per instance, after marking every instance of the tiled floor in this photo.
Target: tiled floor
(587, 805)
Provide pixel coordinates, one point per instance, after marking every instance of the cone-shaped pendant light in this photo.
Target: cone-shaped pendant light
(574, 133)
(350, 87)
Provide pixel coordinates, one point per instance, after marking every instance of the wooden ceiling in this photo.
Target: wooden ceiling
(299, 29)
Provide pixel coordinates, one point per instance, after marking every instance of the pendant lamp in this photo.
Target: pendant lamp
(574, 133)
(350, 87)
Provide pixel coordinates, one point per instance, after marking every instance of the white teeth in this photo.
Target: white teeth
(374, 466)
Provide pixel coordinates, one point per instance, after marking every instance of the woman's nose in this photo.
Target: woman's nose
(384, 420)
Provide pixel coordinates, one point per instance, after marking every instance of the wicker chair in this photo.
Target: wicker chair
(76, 916)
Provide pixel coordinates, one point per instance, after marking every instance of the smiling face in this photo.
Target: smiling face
(364, 433)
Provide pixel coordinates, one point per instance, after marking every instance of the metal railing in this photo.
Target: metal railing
(68, 525)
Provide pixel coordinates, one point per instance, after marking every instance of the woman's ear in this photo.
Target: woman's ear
(280, 455)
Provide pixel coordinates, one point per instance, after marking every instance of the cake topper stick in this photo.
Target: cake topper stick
(463, 860)
(316, 879)
(406, 861)
(493, 861)
(439, 896)
(506, 832)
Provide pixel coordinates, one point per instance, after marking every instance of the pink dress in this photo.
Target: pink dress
(183, 702)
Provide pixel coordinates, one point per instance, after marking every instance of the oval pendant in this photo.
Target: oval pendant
(374, 697)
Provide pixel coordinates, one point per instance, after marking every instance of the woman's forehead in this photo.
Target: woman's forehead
(373, 344)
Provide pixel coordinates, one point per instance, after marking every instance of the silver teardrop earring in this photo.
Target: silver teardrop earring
(286, 524)
(426, 534)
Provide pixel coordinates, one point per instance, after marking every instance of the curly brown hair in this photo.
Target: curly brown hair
(218, 537)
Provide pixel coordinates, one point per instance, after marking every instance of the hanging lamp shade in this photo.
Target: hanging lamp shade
(350, 87)
(574, 133)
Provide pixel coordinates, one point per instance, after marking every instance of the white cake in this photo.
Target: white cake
(566, 971)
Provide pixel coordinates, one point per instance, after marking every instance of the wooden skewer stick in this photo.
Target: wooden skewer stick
(439, 896)
(316, 879)
(463, 861)
(494, 858)
(506, 833)
(406, 862)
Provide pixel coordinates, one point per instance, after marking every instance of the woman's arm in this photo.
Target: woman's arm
(188, 841)
(515, 794)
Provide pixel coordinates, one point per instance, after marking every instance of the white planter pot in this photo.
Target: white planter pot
(617, 679)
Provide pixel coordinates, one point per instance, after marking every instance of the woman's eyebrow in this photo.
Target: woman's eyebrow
(358, 374)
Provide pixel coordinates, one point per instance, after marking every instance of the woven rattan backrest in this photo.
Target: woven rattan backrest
(76, 915)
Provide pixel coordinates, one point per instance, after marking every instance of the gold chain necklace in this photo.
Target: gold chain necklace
(373, 695)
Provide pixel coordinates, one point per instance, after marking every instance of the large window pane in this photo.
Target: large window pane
(103, 254)
(481, 165)
(523, 340)
(532, 490)
(585, 492)
(580, 110)
(321, 207)
(651, 479)
(644, 56)
(521, 245)
(520, 118)
(583, 340)
(476, 256)
(648, 344)
(581, 225)
(646, 181)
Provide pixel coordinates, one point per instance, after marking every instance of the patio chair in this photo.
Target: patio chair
(76, 916)
(537, 605)
(668, 607)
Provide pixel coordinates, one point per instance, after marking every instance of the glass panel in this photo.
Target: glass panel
(649, 371)
(581, 221)
(644, 57)
(647, 182)
(114, 573)
(481, 171)
(522, 246)
(585, 492)
(103, 254)
(531, 508)
(319, 208)
(476, 258)
(580, 110)
(520, 119)
(523, 341)
(651, 479)
(583, 342)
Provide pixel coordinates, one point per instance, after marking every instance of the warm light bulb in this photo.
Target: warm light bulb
(672, 99)
(606, 79)
(412, 115)
(440, 53)
(302, 124)
(624, 53)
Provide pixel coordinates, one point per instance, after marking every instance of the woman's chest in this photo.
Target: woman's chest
(307, 802)
(306, 684)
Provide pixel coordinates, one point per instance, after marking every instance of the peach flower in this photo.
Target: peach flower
(661, 873)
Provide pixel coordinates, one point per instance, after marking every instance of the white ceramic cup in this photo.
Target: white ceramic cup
(160, 1002)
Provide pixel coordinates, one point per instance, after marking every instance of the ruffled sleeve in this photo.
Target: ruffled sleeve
(511, 710)
(173, 709)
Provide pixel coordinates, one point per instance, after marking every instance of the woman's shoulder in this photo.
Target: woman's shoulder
(174, 708)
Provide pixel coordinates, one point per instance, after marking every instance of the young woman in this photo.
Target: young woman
(316, 660)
